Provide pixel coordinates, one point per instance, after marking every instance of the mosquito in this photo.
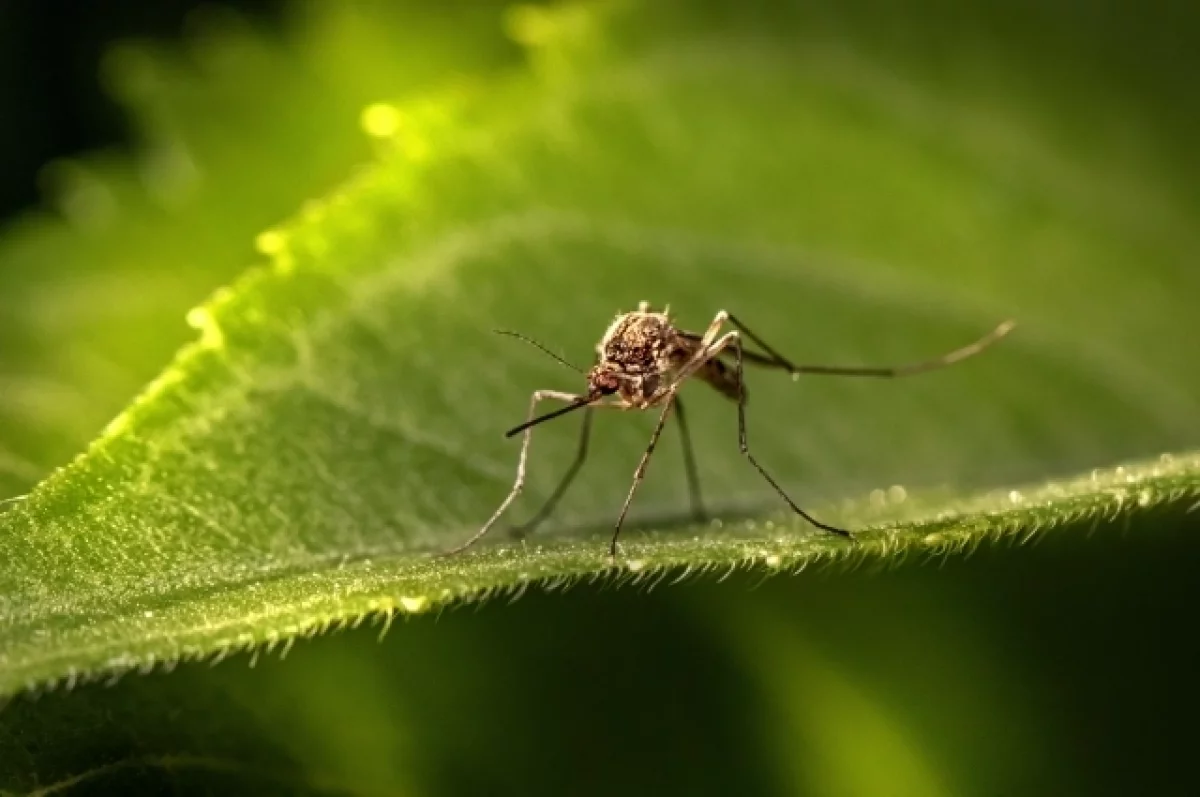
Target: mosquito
(642, 361)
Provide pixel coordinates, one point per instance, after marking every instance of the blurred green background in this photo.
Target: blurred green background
(1055, 668)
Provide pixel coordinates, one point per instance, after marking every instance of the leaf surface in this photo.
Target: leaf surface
(94, 287)
(339, 417)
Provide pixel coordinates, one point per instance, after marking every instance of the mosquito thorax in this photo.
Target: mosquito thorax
(638, 343)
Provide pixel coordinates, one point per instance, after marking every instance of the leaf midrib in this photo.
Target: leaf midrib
(378, 589)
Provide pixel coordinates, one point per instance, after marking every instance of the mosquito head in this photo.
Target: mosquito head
(603, 380)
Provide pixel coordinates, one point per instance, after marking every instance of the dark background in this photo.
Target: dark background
(51, 100)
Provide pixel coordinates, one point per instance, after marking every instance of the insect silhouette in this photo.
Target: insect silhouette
(641, 363)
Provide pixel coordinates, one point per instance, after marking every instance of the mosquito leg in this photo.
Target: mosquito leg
(568, 477)
(776, 359)
(519, 484)
(734, 339)
(710, 334)
(689, 463)
(640, 473)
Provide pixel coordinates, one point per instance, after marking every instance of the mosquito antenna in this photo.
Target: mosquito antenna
(549, 416)
(533, 342)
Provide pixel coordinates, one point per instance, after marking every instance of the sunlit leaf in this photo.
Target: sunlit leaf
(94, 289)
(338, 419)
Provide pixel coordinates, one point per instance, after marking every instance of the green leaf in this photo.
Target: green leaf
(94, 290)
(339, 417)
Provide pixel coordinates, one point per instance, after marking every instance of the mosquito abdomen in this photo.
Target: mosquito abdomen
(722, 377)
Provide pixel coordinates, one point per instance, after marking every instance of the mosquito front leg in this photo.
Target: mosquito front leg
(519, 484)
(640, 473)
(580, 456)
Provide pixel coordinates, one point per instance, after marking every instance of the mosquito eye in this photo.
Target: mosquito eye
(609, 384)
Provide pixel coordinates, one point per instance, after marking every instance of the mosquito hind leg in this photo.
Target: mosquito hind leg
(519, 483)
(774, 359)
(734, 341)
